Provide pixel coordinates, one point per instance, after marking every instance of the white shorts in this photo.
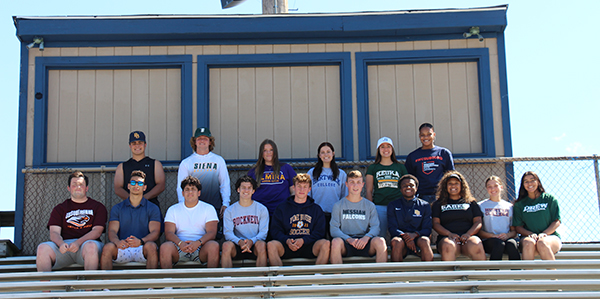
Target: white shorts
(131, 254)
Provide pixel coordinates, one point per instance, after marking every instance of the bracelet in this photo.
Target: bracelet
(200, 240)
(178, 244)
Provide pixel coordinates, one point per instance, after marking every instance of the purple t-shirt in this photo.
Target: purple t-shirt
(274, 189)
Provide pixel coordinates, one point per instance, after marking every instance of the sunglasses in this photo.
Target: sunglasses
(139, 183)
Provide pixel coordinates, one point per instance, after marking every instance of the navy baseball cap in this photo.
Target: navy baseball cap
(137, 136)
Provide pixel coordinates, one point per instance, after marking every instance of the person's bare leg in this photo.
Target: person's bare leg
(321, 250)
(209, 253)
(151, 254)
(227, 254)
(45, 258)
(90, 255)
(275, 250)
(338, 249)
(260, 250)
(426, 252)
(109, 253)
(379, 248)
(398, 249)
(168, 255)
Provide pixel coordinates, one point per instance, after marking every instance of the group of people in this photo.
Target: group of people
(281, 214)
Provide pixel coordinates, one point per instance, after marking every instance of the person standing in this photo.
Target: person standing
(383, 180)
(428, 163)
(275, 180)
(329, 181)
(75, 228)
(207, 167)
(155, 175)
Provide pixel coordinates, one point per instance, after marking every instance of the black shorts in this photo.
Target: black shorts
(244, 255)
(352, 251)
(305, 251)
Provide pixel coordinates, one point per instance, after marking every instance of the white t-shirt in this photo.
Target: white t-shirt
(497, 216)
(190, 223)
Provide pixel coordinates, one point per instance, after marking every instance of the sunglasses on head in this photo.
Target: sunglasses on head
(139, 183)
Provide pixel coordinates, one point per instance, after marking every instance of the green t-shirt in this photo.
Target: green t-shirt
(386, 185)
(536, 214)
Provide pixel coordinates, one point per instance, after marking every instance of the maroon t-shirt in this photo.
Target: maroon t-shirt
(77, 219)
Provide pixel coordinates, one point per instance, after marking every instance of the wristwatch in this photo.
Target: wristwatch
(142, 241)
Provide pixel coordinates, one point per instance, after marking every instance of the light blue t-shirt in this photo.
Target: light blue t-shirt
(325, 190)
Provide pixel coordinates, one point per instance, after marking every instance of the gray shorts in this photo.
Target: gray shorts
(69, 258)
(189, 257)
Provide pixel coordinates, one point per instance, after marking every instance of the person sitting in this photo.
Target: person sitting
(355, 225)
(536, 218)
(190, 229)
(245, 225)
(457, 219)
(133, 228)
(409, 222)
(298, 227)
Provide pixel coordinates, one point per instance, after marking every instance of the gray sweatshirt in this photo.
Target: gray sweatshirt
(354, 219)
(240, 223)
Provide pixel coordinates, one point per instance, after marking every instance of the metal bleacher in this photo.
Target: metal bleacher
(575, 274)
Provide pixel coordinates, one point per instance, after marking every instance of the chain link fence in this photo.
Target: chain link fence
(573, 180)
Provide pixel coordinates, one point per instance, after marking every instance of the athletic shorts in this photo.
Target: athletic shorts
(69, 258)
(189, 257)
(352, 251)
(131, 254)
(305, 251)
(244, 255)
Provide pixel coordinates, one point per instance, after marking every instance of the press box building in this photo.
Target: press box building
(299, 79)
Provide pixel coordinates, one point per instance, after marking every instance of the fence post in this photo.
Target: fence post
(597, 175)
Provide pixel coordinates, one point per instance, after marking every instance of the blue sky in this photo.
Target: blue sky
(552, 65)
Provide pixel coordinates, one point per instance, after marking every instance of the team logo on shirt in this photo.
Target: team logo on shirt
(248, 219)
(429, 165)
(300, 225)
(497, 212)
(387, 178)
(350, 214)
(536, 208)
(417, 213)
(455, 207)
(79, 218)
(205, 166)
(270, 178)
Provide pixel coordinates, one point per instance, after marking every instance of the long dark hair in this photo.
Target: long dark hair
(259, 168)
(319, 166)
(522, 192)
(442, 190)
(393, 157)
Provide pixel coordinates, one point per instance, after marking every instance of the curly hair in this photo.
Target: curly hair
(522, 192)
(442, 190)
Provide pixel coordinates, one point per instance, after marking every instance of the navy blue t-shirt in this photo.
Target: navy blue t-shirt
(429, 166)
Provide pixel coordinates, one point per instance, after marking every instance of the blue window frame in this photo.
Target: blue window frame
(478, 55)
(44, 64)
(206, 62)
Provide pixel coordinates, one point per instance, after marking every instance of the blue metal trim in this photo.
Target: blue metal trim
(44, 64)
(506, 129)
(342, 59)
(21, 147)
(479, 55)
(296, 26)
